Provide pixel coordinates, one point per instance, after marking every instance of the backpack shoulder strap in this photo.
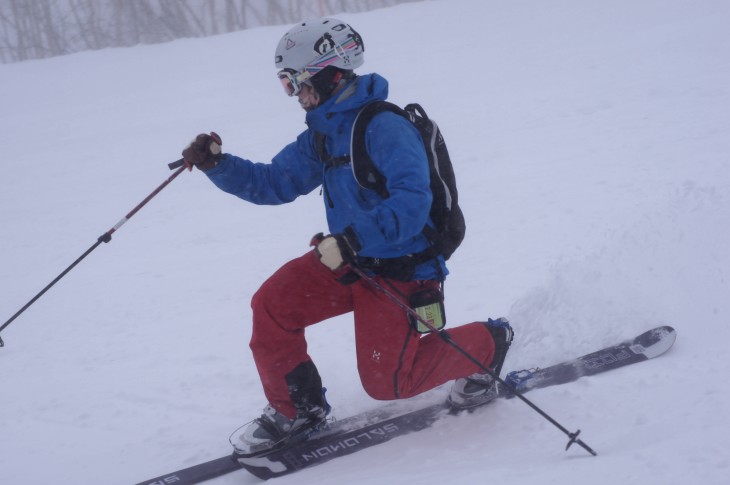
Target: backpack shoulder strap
(363, 168)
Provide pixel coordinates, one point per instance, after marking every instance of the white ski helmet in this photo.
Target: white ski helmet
(309, 47)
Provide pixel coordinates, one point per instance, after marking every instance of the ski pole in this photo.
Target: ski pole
(104, 238)
(446, 337)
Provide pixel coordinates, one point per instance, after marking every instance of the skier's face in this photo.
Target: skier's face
(308, 97)
(296, 84)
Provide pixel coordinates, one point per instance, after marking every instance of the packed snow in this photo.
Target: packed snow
(591, 148)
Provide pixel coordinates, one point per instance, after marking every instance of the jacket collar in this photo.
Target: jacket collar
(359, 92)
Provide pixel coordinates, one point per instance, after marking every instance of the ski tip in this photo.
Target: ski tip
(654, 342)
(664, 329)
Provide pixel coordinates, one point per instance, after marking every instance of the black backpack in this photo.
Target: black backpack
(445, 211)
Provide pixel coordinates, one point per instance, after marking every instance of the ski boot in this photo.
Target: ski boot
(478, 389)
(272, 430)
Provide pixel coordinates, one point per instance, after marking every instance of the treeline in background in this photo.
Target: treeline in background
(34, 29)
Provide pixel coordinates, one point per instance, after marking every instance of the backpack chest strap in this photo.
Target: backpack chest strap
(320, 140)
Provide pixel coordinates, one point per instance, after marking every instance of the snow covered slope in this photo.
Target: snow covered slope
(591, 144)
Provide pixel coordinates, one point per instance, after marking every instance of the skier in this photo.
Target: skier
(380, 235)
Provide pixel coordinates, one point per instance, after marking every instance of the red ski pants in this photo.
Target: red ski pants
(393, 360)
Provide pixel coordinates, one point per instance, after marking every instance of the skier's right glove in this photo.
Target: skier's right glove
(204, 152)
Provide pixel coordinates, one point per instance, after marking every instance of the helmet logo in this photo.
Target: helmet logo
(324, 44)
(290, 43)
(358, 40)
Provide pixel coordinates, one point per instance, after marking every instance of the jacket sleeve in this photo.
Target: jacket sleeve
(294, 171)
(397, 151)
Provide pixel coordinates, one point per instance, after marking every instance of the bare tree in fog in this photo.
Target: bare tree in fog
(34, 29)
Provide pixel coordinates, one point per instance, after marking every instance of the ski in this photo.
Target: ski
(197, 473)
(646, 346)
(362, 431)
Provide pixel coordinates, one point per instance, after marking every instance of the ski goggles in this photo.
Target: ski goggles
(292, 81)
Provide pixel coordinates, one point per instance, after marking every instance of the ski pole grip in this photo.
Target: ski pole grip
(176, 164)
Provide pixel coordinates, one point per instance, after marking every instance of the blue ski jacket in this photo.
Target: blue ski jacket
(385, 227)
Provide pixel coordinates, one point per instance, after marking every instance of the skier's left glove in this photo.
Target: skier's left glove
(336, 250)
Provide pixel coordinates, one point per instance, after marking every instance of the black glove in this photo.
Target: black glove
(204, 152)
